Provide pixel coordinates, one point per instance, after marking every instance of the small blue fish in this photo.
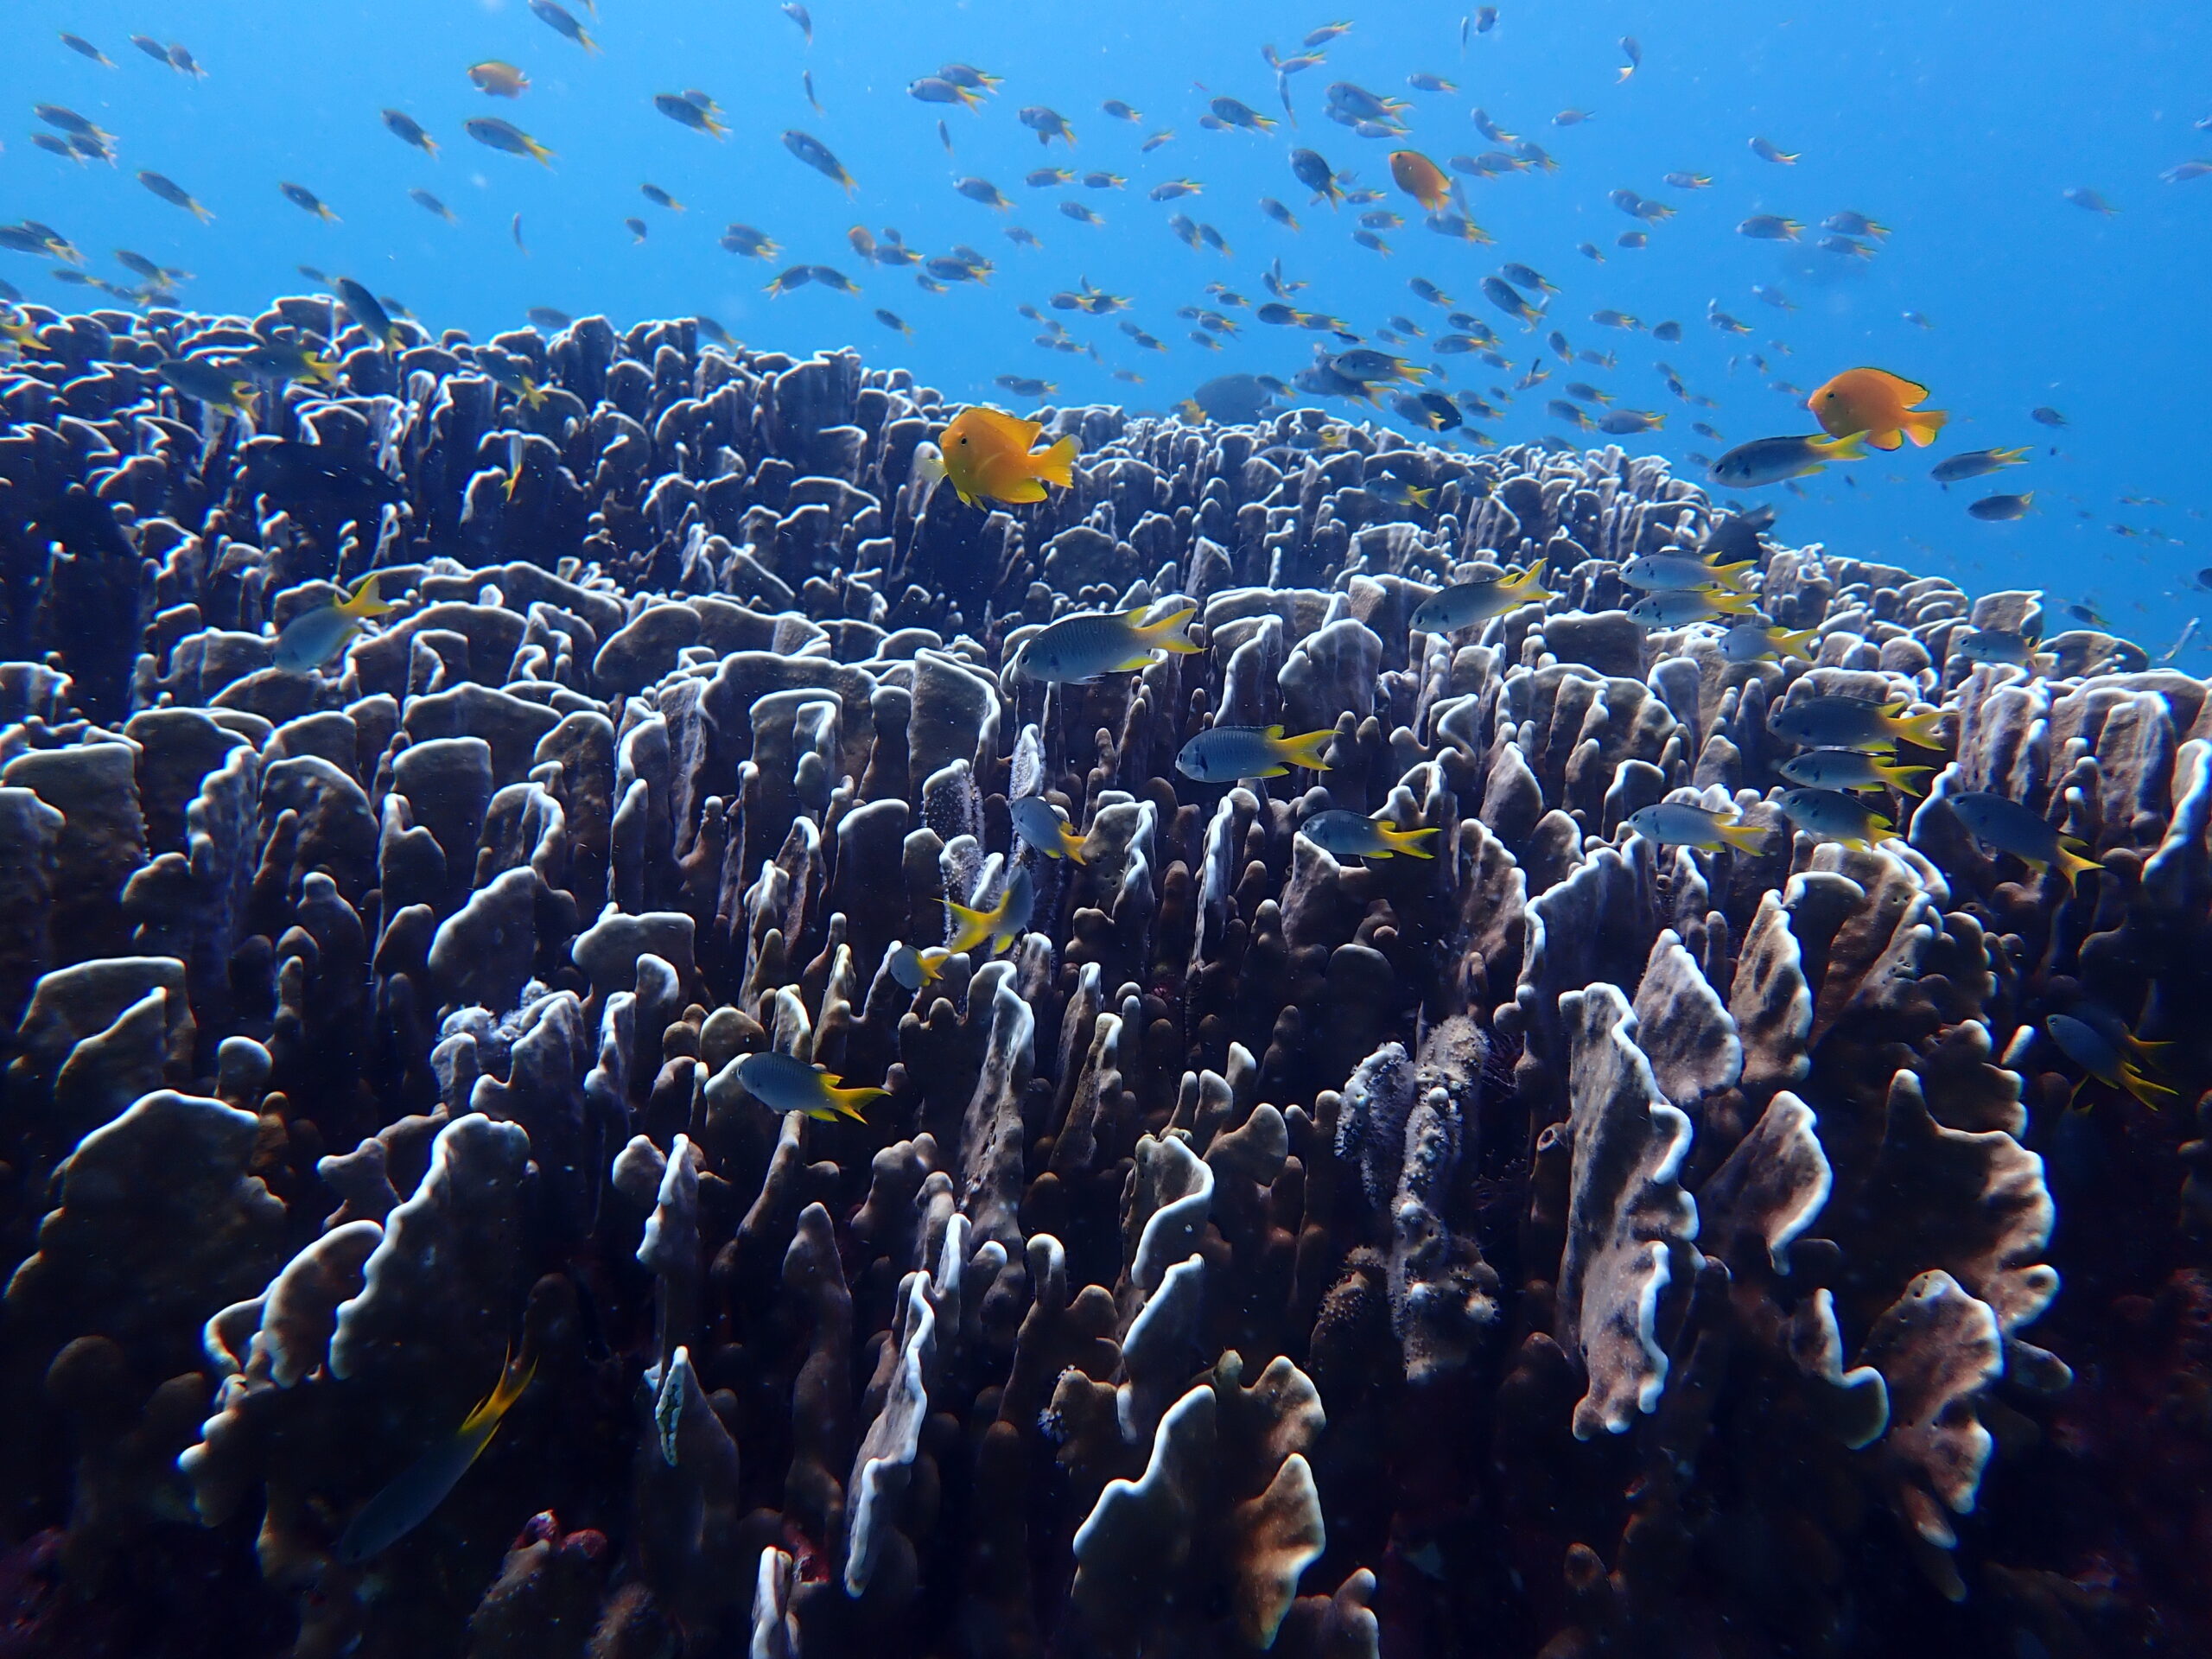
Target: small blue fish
(417, 1490)
(1347, 835)
(1999, 821)
(2110, 1059)
(314, 637)
(784, 1085)
(1001, 925)
(1222, 755)
(1039, 824)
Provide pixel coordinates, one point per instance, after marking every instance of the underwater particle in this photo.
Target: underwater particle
(2044, 415)
(1769, 227)
(2001, 822)
(2088, 201)
(499, 80)
(1766, 151)
(987, 456)
(1877, 403)
(1222, 754)
(176, 194)
(404, 127)
(1831, 815)
(685, 111)
(415, 1493)
(817, 156)
(315, 637)
(305, 199)
(2001, 509)
(562, 22)
(506, 138)
(85, 49)
(1681, 823)
(1075, 649)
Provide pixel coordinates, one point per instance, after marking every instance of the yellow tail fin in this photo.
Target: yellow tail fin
(1922, 731)
(1167, 634)
(1523, 585)
(976, 925)
(1743, 837)
(1922, 425)
(847, 1102)
(1852, 448)
(2151, 1092)
(1072, 841)
(496, 1404)
(1408, 841)
(1731, 575)
(1911, 779)
(1307, 749)
(1057, 464)
(2071, 864)
(364, 602)
(1798, 645)
(1724, 600)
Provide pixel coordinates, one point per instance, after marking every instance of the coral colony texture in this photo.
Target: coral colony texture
(1566, 1245)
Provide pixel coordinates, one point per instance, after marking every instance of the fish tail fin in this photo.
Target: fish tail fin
(1727, 600)
(1167, 634)
(976, 925)
(1798, 643)
(588, 43)
(848, 1102)
(1913, 780)
(933, 961)
(2071, 864)
(1922, 731)
(1408, 842)
(363, 601)
(1524, 585)
(1307, 749)
(533, 395)
(202, 214)
(1420, 498)
(1922, 425)
(513, 1379)
(1731, 575)
(1851, 447)
(1072, 841)
(1743, 837)
(1057, 464)
(2144, 1088)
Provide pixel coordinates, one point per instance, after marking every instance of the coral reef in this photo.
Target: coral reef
(1565, 1245)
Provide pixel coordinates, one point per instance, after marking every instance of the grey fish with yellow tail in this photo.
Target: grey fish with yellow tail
(2109, 1053)
(1465, 604)
(314, 637)
(416, 1492)
(1222, 755)
(1854, 769)
(1831, 815)
(1832, 723)
(1081, 648)
(1999, 822)
(914, 967)
(1000, 925)
(1039, 824)
(1347, 835)
(1684, 823)
(785, 1084)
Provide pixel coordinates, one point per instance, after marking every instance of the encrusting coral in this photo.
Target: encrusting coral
(1566, 1243)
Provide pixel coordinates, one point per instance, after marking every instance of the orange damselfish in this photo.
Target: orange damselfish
(1420, 178)
(1878, 403)
(987, 457)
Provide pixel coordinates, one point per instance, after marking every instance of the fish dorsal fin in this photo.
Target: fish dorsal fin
(1912, 391)
(1010, 427)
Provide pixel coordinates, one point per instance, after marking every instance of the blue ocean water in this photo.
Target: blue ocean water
(1959, 127)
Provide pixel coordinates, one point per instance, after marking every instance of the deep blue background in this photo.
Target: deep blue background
(1959, 126)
